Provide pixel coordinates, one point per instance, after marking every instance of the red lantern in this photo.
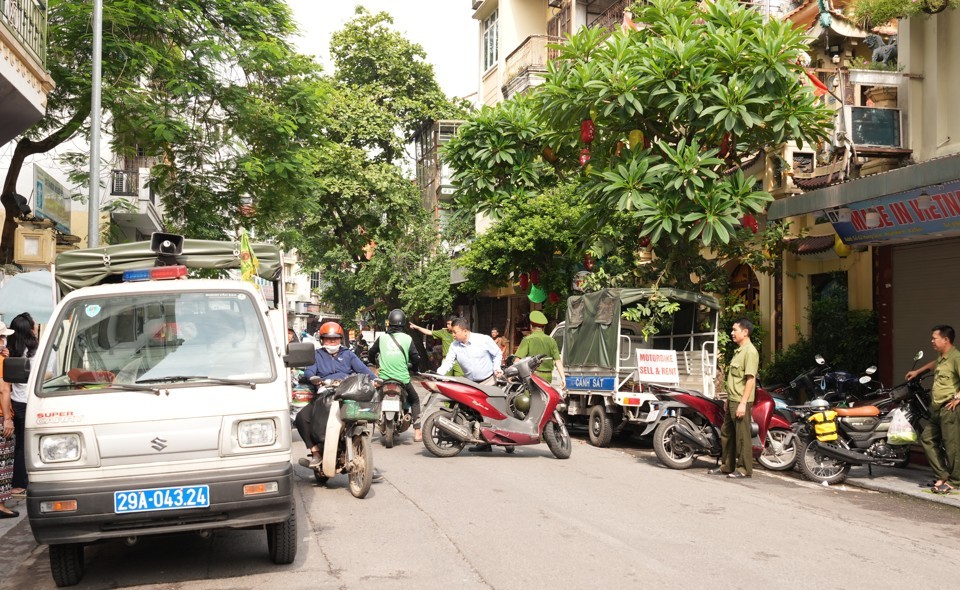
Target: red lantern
(750, 222)
(587, 131)
(584, 156)
(535, 276)
(524, 281)
(644, 241)
(553, 297)
(588, 262)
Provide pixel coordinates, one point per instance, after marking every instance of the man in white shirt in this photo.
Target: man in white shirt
(478, 355)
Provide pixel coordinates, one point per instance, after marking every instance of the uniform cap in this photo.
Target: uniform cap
(537, 317)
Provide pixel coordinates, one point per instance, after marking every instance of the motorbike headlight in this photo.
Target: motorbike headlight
(60, 448)
(257, 433)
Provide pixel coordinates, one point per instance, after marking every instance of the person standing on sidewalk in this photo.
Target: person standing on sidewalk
(941, 437)
(22, 343)
(741, 386)
(445, 337)
(7, 440)
(537, 342)
(395, 354)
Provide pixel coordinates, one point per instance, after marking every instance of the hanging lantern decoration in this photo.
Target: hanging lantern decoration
(588, 261)
(549, 155)
(725, 146)
(645, 242)
(635, 138)
(537, 295)
(524, 281)
(840, 248)
(750, 222)
(553, 297)
(535, 276)
(587, 131)
(618, 148)
(584, 156)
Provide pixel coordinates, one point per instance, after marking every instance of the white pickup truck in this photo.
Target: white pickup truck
(158, 403)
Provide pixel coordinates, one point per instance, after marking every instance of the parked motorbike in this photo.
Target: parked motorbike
(833, 440)
(691, 428)
(394, 411)
(467, 412)
(349, 408)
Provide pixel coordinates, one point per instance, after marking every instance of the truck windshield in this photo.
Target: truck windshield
(117, 341)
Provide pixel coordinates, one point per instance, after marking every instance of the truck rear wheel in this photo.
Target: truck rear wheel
(282, 540)
(66, 563)
(599, 426)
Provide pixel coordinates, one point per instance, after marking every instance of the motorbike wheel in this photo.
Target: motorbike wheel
(780, 451)
(819, 468)
(361, 472)
(436, 441)
(599, 426)
(671, 451)
(282, 540)
(389, 431)
(558, 439)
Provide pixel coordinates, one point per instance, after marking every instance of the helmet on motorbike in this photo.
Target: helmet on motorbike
(522, 402)
(330, 330)
(819, 404)
(396, 319)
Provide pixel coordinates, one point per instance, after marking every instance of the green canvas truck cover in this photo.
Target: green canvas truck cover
(593, 323)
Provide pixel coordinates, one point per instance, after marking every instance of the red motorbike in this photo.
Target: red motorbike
(467, 412)
(691, 423)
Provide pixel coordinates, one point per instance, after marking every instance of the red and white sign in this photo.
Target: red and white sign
(658, 366)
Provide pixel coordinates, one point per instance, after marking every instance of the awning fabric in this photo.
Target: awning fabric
(82, 268)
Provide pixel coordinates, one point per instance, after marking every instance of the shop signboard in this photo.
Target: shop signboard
(53, 202)
(923, 211)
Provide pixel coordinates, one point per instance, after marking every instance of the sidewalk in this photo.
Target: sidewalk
(901, 481)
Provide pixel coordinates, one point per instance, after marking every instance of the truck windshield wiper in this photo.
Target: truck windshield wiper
(221, 380)
(102, 387)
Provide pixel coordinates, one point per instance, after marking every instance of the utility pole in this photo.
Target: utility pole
(93, 223)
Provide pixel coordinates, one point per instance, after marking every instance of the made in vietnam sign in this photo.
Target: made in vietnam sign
(657, 366)
(904, 215)
(52, 200)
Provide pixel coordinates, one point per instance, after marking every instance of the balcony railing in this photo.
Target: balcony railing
(27, 22)
(530, 57)
(125, 183)
(612, 17)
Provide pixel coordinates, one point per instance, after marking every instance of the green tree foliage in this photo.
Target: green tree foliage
(673, 109)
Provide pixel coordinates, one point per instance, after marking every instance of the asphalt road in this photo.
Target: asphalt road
(603, 518)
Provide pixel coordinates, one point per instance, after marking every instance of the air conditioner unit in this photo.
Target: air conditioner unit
(873, 126)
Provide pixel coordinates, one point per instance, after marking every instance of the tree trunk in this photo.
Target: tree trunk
(28, 147)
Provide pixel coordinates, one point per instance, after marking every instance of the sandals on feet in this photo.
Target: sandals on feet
(943, 488)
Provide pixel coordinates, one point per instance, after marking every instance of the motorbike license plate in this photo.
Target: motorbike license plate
(161, 499)
(390, 405)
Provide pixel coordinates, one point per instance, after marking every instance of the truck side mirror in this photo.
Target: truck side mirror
(299, 354)
(16, 370)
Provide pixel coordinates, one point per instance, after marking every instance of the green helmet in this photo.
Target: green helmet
(522, 402)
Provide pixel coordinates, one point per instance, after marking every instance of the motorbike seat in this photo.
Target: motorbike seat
(861, 412)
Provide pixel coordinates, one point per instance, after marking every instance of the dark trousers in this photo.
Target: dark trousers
(413, 398)
(735, 440)
(941, 444)
(19, 466)
(314, 413)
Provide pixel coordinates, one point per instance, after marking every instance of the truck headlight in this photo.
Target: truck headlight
(59, 448)
(257, 433)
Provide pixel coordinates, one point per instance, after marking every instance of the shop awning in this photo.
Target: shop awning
(908, 178)
(814, 244)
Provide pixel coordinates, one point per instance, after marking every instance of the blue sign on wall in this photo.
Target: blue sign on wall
(903, 215)
(592, 383)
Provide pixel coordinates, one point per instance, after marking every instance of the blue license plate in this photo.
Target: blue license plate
(161, 499)
(591, 383)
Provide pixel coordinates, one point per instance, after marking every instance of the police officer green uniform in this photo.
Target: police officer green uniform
(446, 339)
(944, 426)
(735, 436)
(537, 342)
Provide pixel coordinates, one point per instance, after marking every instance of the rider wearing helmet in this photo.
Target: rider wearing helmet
(395, 354)
(332, 361)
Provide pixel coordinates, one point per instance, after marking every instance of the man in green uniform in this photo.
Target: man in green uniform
(941, 437)
(741, 386)
(445, 337)
(395, 354)
(539, 343)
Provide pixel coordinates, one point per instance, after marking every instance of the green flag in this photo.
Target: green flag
(248, 260)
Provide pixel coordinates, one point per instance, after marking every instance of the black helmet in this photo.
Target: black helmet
(396, 319)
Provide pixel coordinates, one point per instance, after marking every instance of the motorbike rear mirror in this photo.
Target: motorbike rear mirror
(871, 370)
(865, 379)
(918, 356)
(819, 359)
